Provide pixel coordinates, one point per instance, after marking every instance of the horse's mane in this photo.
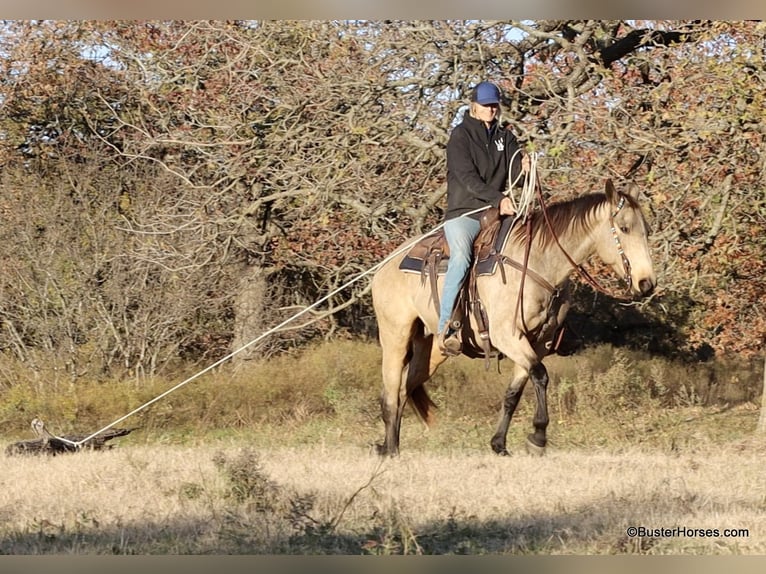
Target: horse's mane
(576, 214)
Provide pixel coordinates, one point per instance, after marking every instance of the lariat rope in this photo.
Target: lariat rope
(523, 205)
(302, 312)
(527, 196)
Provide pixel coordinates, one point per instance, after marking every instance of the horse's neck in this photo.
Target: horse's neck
(575, 245)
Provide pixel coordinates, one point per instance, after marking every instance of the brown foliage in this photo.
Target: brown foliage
(151, 169)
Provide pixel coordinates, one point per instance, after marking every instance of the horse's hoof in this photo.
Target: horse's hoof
(499, 448)
(534, 449)
(383, 450)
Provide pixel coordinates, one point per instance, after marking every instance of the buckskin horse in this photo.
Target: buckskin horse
(521, 307)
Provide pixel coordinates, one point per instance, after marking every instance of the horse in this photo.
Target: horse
(525, 305)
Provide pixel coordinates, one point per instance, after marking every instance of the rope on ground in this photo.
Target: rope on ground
(302, 312)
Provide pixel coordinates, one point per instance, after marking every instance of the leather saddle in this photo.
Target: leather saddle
(432, 251)
(429, 258)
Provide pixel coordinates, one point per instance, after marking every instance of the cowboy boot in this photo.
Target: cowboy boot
(449, 342)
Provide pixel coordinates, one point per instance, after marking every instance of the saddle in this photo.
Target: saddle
(429, 258)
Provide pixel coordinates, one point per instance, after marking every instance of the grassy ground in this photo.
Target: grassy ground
(229, 497)
(278, 458)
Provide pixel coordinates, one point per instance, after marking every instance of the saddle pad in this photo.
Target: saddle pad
(416, 259)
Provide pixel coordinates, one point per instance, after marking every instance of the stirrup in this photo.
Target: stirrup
(449, 343)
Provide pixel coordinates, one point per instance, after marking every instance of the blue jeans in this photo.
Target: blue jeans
(460, 233)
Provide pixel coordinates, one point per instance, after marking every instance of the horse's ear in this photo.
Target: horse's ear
(633, 190)
(611, 192)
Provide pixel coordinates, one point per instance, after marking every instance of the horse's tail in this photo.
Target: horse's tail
(422, 404)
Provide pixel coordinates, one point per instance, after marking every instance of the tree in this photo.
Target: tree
(689, 117)
(197, 182)
(762, 418)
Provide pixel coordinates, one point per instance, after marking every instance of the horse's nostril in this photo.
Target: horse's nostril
(646, 286)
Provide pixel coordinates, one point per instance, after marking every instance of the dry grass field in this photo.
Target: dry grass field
(230, 499)
(301, 477)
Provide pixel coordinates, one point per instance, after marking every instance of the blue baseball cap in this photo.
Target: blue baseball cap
(486, 93)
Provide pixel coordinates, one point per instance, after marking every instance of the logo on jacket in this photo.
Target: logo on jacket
(500, 145)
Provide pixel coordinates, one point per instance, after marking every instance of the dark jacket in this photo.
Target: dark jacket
(477, 166)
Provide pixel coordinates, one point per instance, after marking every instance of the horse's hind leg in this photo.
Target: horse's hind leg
(406, 367)
(510, 402)
(424, 361)
(397, 351)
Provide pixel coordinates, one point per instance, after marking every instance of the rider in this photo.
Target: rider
(479, 155)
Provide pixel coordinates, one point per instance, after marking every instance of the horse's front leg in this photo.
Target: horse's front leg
(537, 440)
(527, 359)
(510, 402)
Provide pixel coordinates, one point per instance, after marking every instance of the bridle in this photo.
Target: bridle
(580, 269)
(523, 267)
(613, 228)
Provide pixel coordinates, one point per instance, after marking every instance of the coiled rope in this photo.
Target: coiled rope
(523, 205)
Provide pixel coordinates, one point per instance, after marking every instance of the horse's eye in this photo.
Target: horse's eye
(624, 229)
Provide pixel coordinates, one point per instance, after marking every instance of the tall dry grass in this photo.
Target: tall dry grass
(340, 381)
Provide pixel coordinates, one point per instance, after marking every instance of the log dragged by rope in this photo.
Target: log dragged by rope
(47, 443)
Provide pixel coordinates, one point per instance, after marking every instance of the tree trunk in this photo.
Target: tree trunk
(762, 420)
(249, 314)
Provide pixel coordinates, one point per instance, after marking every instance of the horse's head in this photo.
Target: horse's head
(625, 242)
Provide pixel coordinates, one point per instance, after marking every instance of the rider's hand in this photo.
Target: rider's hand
(525, 163)
(506, 207)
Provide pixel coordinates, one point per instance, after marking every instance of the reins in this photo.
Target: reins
(524, 270)
(580, 269)
(533, 182)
